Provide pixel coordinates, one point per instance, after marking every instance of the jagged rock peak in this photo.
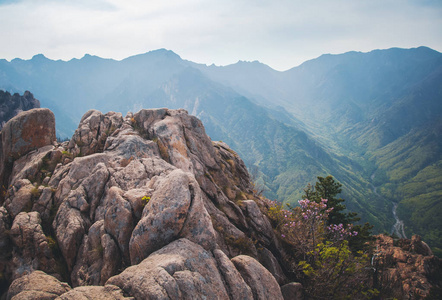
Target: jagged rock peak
(139, 206)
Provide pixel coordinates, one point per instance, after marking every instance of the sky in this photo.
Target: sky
(279, 33)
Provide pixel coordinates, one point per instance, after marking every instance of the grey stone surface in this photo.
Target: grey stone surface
(180, 270)
(292, 291)
(37, 285)
(260, 280)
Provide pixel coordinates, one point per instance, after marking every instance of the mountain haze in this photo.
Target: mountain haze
(356, 116)
(382, 109)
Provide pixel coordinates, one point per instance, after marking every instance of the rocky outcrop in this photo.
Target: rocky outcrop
(143, 206)
(181, 270)
(31, 250)
(93, 131)
(260, 280)
(175, 210)
(148, 207)
(406, 268)
(28, 131)
(12, 105)
(37, 285)
(107, 292)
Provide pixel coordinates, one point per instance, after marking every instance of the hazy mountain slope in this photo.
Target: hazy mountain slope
(340, 106)
(160, 78)
(410, 171)
(361, 81)
(254, 80)
(140, 76)
(380, 108)
(419, 105)
(333, 93)
(72, 87)
(65, 87)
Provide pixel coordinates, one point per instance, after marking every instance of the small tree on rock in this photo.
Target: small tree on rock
(328, 188)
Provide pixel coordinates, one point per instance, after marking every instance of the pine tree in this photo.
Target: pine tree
(328, 188)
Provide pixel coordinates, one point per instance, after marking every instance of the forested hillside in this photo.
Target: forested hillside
(382, 109)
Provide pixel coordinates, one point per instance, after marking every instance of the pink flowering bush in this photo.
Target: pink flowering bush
(320, 251)
(306, 226)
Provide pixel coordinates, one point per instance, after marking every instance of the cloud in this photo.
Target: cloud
(92, 4)
(279, 33)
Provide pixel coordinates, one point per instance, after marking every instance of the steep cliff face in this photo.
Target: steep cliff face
(143, 206)
(12, 105)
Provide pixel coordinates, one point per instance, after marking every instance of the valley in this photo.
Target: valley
(398, 226)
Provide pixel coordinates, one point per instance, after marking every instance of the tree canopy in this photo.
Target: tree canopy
(328, 188)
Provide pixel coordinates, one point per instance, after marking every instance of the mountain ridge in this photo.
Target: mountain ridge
(348, 109)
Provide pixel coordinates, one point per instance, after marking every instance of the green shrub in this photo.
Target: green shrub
(98, 251)
(145, 200)
(35, 192)
(52, 242)
(333, 272)
(243, 244)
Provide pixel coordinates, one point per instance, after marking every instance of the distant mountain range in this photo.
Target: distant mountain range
(372, 120)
